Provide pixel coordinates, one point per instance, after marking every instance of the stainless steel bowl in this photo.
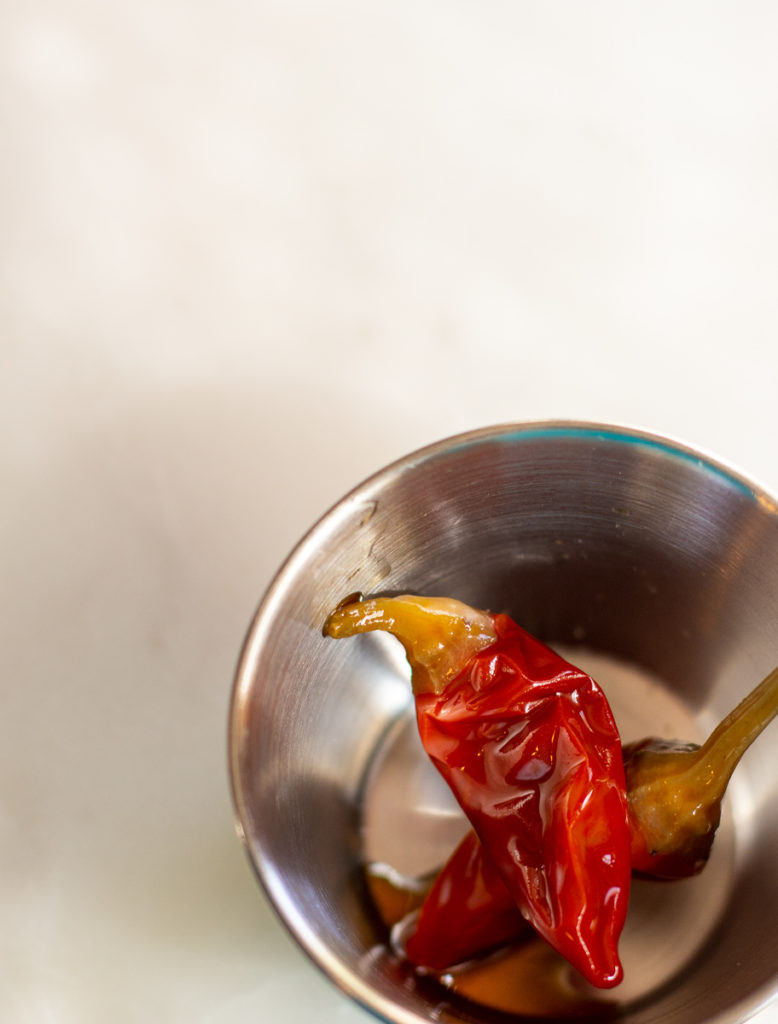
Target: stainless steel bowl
(656, 563)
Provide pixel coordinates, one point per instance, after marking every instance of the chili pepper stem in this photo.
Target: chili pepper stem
(439, 634)
(714, 762)
(675, 794)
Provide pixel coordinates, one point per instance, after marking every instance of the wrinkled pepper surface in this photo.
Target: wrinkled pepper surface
(529, 747)
(674, 792)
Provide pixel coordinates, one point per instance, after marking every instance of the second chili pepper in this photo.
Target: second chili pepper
(466, 912)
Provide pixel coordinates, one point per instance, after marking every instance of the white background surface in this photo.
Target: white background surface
(250, 252)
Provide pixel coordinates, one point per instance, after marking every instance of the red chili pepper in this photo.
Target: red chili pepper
(528, 745)
(466, 912)
(674, 793)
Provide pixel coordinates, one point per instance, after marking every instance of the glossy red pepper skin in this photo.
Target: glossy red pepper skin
(467, 911)
(528, 745)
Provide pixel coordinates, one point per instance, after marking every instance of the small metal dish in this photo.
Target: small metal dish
(656, 565)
